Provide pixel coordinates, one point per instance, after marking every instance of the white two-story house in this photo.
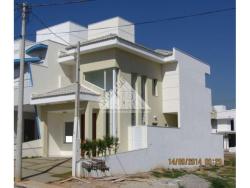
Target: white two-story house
(148, 98)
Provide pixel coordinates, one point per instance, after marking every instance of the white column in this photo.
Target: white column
(105, 80)
(114, 119)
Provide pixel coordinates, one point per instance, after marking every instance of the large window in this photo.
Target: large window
(107, 123)
(100, 78)
(143, 88)
(68, 138)
(154, 87)
(214, 123)
(133, 99)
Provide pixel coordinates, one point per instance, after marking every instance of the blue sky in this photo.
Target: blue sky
(210, 38)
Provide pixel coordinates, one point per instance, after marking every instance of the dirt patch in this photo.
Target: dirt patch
(204, 177)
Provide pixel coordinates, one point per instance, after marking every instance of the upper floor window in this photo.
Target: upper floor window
(214, 123)
(143, 87)
(155, 87)
(100, 78)
(232, 124)
(143, 96)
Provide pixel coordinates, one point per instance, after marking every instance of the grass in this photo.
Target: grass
(63, 175)
(160, 173)
(219, 177)
(31, 157)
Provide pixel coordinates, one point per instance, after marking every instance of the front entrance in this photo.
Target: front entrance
(29, 130)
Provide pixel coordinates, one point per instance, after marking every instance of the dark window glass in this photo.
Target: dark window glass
(29, 130)
(154, 87)
(107, 123)
(232, 124)
(68, 132)
(232, 140)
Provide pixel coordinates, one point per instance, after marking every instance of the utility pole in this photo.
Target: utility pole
(76, 131)
(19, 138)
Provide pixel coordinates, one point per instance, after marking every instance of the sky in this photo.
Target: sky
(210, 38)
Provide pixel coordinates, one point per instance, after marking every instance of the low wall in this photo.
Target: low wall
(169, 148)
(31, 149)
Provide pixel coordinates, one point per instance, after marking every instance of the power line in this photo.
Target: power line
(41, 21)
(148, 22)
(57, 4)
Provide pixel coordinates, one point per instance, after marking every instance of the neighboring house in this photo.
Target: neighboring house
(223, 122)
(31, 133)
(150, 99)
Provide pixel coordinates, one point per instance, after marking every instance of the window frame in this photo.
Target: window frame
(64, 136)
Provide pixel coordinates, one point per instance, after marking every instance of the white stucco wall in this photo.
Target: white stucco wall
(31, 149)
(170, 88)
(193, 138)
(62, 31)
(56, 127)
(164, 144)
(116, 25)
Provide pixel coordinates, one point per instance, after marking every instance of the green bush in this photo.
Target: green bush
(109, 140)
(99, 147)
(218, 183)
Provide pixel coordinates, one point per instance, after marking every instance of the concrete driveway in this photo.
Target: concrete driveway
(45, 169)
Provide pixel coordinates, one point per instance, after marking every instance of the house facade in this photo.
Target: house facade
(30, 123)
(147, 98)
(223, 122)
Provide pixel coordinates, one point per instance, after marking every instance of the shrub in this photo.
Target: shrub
(116, 144)
(86, 146)
(100, 146)
(109, 142)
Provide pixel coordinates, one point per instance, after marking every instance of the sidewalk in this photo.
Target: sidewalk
(45, 170)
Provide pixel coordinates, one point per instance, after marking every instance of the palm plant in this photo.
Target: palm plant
(87, 147)
(109, 142)
(83, 148)
(116, 144)
(93, 147)
(101, 147)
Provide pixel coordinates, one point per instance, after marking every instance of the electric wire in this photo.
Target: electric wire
(57, 3)
(45, 25)
(148, 22)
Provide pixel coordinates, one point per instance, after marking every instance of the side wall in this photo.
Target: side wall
(165, 144)
(51, 75)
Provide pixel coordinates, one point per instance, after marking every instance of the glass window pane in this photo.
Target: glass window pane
(68, 132)
(95, 77)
